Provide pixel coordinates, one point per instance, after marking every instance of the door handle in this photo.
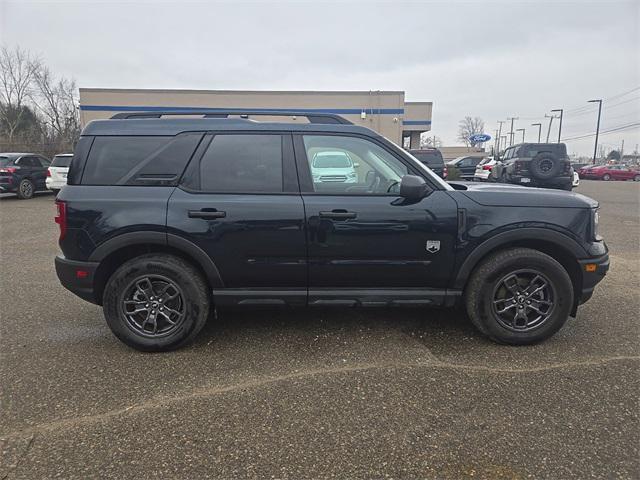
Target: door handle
(338, 215)
(207, 213)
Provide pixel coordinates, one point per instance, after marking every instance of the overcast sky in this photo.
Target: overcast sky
(486, 59)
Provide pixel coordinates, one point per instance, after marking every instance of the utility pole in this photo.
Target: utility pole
(622, 150)
(521, 130)
(539, 125)
(550, 117)
(500, 134)
(496, 139)
(511, 133)
(560, 126)
(595, 147)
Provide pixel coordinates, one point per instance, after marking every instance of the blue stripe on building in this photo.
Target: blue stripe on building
(416, 122)
(346, 111)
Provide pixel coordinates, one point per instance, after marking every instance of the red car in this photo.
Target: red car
(609, 172)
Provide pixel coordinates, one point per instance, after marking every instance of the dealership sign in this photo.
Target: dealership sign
(479, 138)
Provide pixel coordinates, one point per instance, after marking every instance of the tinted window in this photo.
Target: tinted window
(331, 160)
(61, 161)
(242, 164)
(44, 162)
(4, 161)
(429, 158)
(370, 170)
(139, 160)
(557, 149)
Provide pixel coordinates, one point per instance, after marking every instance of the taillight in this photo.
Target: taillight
(61, 217)
(8, 170)
(487, 167)
(445, 171)
(48, 172)
(567, 167)
(519, 164)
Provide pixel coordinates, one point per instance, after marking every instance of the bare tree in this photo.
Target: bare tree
(57, 103)
(469, 126)
(17, 73)
(432, 141)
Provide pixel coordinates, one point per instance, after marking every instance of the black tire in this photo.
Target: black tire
(636, 178)
(606, 177)
(26, 189)
(545, 166)
(486, 281)
(188, 283)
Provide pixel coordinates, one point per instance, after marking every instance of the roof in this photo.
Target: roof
(173, 126)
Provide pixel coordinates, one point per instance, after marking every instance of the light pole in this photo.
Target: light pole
(550, 117)
(559, 126)
(595, 147)
(521, 130)
(539, 125)
(511, 132)
(500, 133)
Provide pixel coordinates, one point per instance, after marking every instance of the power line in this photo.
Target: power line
(630, 126)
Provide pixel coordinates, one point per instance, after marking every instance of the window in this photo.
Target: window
(242, 164)
(61, 161)
(148, 160)
(351, 166)
(43, 162)
(28, 162)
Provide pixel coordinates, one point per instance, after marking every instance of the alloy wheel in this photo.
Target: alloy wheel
(153, 306)
(523, 300)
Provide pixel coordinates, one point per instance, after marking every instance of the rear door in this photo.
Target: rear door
(363, 237)
(239, 201)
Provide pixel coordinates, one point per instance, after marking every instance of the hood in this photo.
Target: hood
(501, 195)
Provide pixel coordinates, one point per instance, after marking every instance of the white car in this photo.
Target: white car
(576, 179)
(57, 173)
(336, 167)
(483, 170)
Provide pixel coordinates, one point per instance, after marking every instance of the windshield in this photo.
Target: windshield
(61, 161)
(332, 160)
(429, 173)
(4, 161)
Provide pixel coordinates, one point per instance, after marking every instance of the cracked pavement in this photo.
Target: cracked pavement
(404, 393)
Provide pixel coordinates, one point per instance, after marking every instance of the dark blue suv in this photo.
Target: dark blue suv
(164, 219)
(23, 173)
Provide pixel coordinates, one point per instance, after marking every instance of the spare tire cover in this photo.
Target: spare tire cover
(544, 166)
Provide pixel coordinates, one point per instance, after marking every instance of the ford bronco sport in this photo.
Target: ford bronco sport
(535, 165)
(165, 219)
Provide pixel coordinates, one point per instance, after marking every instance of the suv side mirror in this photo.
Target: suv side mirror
(413, 187)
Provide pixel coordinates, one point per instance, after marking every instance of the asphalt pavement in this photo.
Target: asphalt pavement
(357, 393)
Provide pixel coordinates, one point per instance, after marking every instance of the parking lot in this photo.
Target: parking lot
(403, 393)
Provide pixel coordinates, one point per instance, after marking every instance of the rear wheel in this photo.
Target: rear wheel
(636, 178)
(156, 302)
(519, 296)
(25, 189)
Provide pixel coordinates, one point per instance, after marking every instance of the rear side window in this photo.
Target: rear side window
(429, 158)
(61, 161)
(242, 164)
(139, 160)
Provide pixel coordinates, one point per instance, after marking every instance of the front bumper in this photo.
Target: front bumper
(77, 277)
(593, 271)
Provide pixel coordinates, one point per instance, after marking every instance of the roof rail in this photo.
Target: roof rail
(313, 117)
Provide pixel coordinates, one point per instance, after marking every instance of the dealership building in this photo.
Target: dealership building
(386, 112)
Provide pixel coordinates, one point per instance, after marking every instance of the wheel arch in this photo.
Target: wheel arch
(113, 253)
(560, 247)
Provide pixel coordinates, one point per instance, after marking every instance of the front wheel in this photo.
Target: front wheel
(156, 302)
(519, 296)
(606, 177)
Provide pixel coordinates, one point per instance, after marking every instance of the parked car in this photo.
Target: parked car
(610, 172)
(165, 219)
(465, 165)
(576, 179)
(535, 165)
(57, 172)
(432, 158)
(484, 169)
(23, 173)
(333, 167)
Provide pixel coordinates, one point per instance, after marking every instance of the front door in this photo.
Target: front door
(362, 236)
(239, 202)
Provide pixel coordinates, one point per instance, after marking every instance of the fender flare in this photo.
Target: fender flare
(551, 236)
(187, 247)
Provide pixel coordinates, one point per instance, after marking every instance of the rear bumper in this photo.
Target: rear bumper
(533, 182)
(77, 277)
(54, 184)
(599, 266)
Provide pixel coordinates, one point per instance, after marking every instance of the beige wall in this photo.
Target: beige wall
(97, 103)
(449, 153)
